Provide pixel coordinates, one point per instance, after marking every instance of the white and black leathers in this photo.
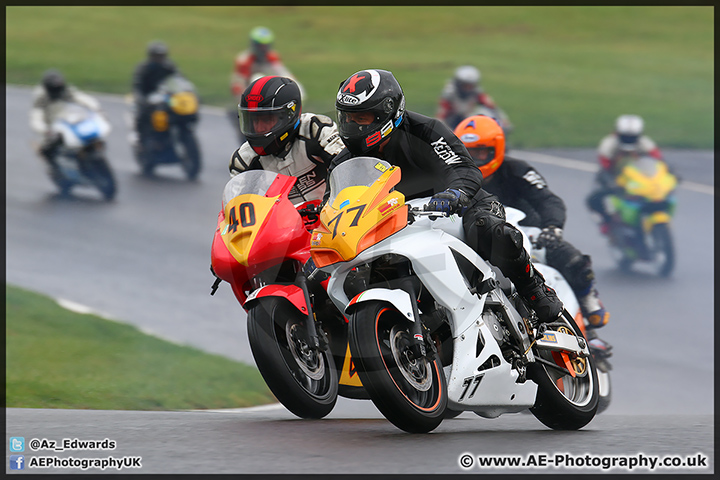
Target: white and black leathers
(307, 157)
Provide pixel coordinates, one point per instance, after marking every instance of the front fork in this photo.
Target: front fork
(316, 339)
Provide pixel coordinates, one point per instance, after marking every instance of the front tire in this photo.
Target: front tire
(663, 249)
(190, 157)
(565, 402)
(304, 380)
(410, 393)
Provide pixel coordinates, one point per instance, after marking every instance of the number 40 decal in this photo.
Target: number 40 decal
(246, 212)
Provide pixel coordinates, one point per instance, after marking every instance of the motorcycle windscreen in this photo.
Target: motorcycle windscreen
(363, 210)
(261, 225)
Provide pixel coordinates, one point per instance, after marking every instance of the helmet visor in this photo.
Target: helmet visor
(482, 155)
(262, 121)
(361, 124)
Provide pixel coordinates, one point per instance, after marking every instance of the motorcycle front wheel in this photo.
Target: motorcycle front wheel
(410, 392)
(190, 157)
(663, 250)
(564, 401)
(303, 379)
(101, 175)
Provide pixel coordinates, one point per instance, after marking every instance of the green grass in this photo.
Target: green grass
(56, 358)
(563, 74)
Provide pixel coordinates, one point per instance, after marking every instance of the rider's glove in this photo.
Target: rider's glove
(549, 236)
(450, 201)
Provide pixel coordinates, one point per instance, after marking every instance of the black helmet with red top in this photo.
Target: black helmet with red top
(269, 112)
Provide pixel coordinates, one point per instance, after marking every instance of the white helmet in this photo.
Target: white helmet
(467, 74)
(628, 129)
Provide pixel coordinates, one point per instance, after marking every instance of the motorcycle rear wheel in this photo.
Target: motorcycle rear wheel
(564, 402)
(410, 393)
(302, 379)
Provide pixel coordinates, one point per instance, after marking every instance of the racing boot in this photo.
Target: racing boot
(532, 288)
(593, 309)
(598, 347)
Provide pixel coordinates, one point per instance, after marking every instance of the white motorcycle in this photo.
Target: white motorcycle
(81, 156)
(432, 324)
(555, 280)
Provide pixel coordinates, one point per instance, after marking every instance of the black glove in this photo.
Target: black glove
(450, 201)
(549, 236)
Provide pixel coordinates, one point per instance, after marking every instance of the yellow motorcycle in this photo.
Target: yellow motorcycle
(641, 210)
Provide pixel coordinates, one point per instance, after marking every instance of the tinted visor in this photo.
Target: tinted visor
(261, 121)
(482, 155)
(628, 139)
(361, 124)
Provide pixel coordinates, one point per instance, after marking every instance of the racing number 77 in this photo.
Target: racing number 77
(354, 223)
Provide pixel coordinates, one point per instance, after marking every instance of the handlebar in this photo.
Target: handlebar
(424, 212)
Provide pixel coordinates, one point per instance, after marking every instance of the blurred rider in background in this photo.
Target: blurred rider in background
(148, 76)
(462, 96)
(48, 100)
(626, 143)
(372, 121)
(282, 139)
(519, 185)
(259, 60)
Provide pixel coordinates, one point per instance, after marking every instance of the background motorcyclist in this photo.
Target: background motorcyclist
(258, 60)
(627, 142)
(372, 121)
(147, 77)
(48, 100)
(461, 95)
(517, 184)
(282, 139)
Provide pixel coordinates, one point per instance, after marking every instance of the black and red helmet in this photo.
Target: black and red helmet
(376, 92)
(270, 110)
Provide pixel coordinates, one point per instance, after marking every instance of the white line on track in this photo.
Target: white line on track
(533, 157)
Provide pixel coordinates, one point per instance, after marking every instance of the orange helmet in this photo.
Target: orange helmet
(485, 140)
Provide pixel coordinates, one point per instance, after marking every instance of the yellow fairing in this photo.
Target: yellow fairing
(184, 103)
(239, 229)
(359, 218)
(655, 188)
(654, 219)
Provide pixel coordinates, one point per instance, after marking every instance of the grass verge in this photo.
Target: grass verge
(563, 74)
(56, 358)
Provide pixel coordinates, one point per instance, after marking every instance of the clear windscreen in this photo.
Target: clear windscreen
(176, 83)
(256, 182)
(358, 171)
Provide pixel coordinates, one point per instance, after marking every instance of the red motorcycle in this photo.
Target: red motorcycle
(260, 247)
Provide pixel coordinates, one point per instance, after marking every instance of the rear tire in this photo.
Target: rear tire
(564, 402)
(304, 381)
(412, 394)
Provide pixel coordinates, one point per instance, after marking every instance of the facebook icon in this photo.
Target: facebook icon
(17, 462)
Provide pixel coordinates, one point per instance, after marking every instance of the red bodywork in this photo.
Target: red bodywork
(281, 236)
